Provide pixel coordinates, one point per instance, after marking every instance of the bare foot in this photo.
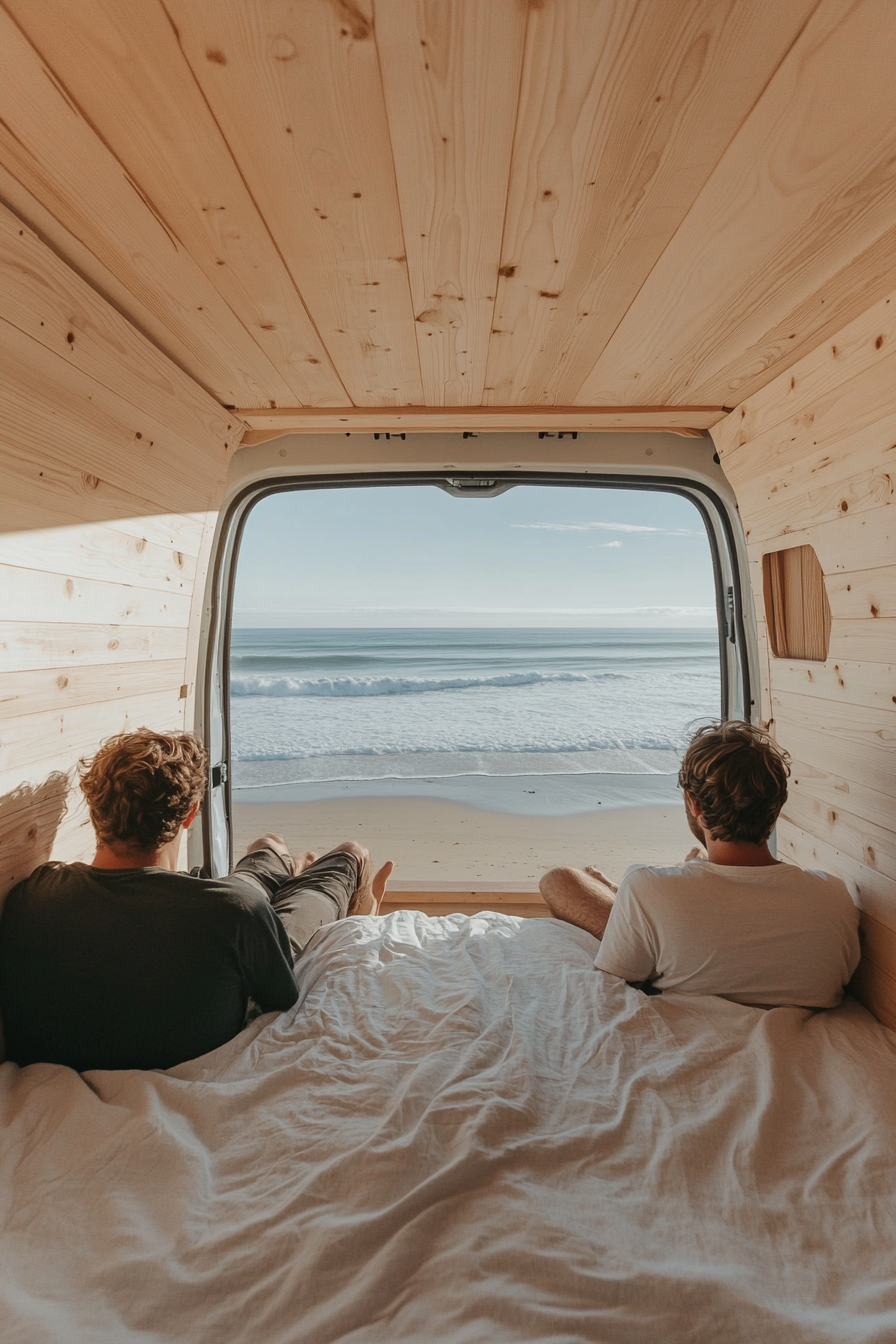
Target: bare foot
(369, 897)
(602, 877)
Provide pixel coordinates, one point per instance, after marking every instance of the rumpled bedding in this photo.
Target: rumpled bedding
(463, 1132)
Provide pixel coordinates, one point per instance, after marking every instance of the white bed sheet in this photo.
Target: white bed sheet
(465, 1133)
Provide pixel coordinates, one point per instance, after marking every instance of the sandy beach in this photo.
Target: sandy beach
(432, 840)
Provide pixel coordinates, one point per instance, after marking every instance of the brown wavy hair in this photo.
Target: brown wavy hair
(737, 775)
(140, 786)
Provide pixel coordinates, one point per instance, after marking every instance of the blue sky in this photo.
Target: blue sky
(416, 556)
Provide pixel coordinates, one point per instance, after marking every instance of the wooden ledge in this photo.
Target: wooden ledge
(272, 423)
(451, 898)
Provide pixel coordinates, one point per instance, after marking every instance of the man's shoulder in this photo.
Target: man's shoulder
(63, 882)
(642, 876)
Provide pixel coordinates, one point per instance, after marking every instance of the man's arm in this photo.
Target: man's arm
(266, 959)
(580, 896)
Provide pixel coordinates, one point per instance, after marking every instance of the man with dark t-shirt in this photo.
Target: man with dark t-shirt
(127, 963)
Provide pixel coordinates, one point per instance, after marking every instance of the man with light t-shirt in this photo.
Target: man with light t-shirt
(732, 920)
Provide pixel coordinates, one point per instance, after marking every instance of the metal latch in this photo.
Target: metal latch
(219, 775)
(730, 624)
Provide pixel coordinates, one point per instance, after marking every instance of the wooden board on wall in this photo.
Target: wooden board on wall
(112, 459)
(811, 459)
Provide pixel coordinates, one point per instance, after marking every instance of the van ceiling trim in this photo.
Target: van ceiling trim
(272, 422)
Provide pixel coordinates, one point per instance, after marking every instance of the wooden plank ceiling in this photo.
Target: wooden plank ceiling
(620, 212)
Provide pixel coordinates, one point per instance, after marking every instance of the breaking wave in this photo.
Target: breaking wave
(336, 687)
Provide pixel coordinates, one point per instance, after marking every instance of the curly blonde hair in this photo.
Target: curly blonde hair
(737, 775)
(140, 786)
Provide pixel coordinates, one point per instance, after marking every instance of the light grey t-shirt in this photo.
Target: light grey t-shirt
(770, 936)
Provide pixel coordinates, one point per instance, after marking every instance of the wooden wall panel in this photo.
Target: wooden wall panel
(116, 462)
(805, 187)
(820, 436)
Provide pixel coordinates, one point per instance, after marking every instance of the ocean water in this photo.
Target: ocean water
(312, 707)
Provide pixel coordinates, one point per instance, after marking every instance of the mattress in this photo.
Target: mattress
(463, 1132)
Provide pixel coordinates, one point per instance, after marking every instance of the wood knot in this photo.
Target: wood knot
(215, 55)
(179, 559)
(141, 546)
(62, 682)
(844, 505)
(283, 48)
(90, 482)
(70, 338)
(507, 271)
(879, 342)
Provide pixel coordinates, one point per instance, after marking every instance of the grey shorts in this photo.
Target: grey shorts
(303, 904)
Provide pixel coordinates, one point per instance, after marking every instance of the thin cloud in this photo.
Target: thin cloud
(607, 527)
(608, 545)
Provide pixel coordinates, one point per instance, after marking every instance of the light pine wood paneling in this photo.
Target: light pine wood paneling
(874, 982)
(36, 744)
(871, 845)
(96, 551)
(125, 70)
(451, 77)
(822, 435)
(54, 597)
(57, 689)
(116, 462)
(623, 117)
(804, 188)
(835, 790)
(296, 90)
(34, 646)
(870, 685)
(862, 283)
(615, 204)
(48, 496)
(48, 145)
(837, 391)
(45, 300)
(38, 823)
(104, 433)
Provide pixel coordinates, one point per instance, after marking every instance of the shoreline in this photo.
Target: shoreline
(524, 795)
(435, 841)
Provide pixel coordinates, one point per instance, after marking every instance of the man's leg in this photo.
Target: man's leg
(308, 892)
(580, 896)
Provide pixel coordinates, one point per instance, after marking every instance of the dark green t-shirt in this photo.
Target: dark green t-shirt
(135, 968)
